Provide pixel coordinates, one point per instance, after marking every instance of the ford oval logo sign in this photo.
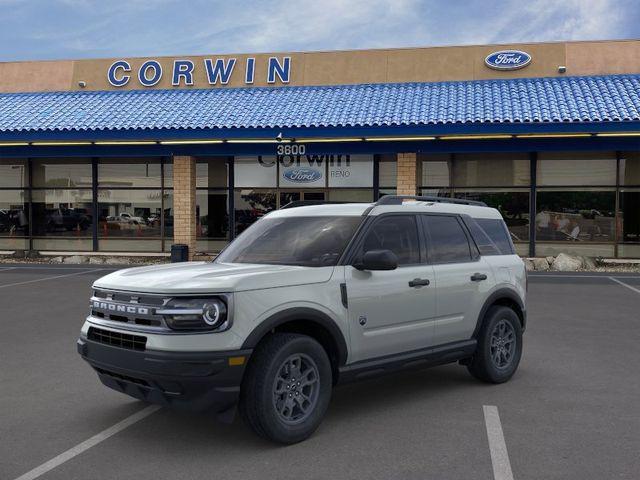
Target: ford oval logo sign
(507, 60)
(302, 175)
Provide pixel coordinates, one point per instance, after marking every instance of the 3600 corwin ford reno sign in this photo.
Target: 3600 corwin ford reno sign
(507, 60)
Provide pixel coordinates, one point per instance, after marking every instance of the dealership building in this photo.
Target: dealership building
(136, 154)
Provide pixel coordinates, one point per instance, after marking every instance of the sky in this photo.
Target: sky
(74, 29)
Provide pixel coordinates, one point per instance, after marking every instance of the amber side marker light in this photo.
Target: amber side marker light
(236, 361)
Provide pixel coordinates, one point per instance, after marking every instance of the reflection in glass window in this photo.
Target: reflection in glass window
(514, 207)
(630, 168)
(213, 214)
(491, 170)
(129, 213)
(13, 173)
(436, 170)
(576, 168)
(447, 241)
(387, 171)
(397, 233)
(255, 171)
(360, 195)
(575, 216)
(129, 172)
(62, 173)
(250, 205)
(66, 213)
(14, 216)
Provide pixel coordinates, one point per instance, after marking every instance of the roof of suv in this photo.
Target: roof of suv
(414, 206)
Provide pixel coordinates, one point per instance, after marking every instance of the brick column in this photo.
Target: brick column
(184, 202)
(407, 174)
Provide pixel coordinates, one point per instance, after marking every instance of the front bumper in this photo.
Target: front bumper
(196, 381)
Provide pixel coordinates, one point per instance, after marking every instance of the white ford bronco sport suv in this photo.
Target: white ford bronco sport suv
(309, 297)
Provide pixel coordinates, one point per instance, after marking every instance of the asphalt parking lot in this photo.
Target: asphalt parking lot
(571, 412)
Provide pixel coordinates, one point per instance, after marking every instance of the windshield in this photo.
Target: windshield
(304, 241)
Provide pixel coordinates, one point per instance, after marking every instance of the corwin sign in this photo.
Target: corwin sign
(218, 71)
(507, 60)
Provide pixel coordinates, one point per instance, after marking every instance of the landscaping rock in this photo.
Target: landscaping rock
(550, 260)
(540, 264)
(56, 260)
(76, 259)
(96, 260)
(566, 263)
(117, 261)
(528, 264)
(589, 263)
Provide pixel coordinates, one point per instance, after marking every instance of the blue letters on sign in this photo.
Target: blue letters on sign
(507, 60)
(143, 73)
(302, 175)
(182, 69)
(219, 71)
(275, 68)
(112, 74)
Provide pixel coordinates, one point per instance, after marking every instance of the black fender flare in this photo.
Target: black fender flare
(299, 313)
(502, 293)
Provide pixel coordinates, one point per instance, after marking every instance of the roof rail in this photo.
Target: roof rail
(306, 203)
(399, 199)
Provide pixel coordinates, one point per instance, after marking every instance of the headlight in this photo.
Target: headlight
(196, 314)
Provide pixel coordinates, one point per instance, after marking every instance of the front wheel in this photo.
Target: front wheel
(287, 388)
(499, 346)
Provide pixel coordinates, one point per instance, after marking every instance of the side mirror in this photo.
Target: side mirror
(377, 260)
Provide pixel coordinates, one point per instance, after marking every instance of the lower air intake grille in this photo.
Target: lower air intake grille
(117, 339)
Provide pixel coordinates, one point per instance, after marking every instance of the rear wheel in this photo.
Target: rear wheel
(499, 346)
(287, 388)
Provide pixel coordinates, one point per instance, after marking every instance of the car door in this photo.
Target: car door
(462, 277)
(391, 311)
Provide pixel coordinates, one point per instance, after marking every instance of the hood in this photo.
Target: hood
(206, 277)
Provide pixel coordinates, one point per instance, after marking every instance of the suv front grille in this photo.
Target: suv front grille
(117, 339)
(133, 309)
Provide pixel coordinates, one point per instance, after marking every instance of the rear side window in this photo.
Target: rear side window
(484, 243)
(447, 241)
(397, 233)
(498, 233)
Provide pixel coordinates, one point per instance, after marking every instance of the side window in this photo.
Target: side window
(447, 241)
(397, 233)
(498, 233)
(484, 243)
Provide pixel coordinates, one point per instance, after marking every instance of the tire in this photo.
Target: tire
(271, 401)
(498, 362)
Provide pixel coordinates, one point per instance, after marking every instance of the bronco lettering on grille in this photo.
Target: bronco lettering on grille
(116, 307)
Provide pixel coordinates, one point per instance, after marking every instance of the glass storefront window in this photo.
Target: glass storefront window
(576, 168)
(129, 172)
(62, 213)
(250, 205)
(359, 195)
(350, 171)
(129, 213)
(575, 216)
(491, 170)
(513, 205)
(630, 168)
(387, 172)
(62, 173)
(13, 173)
(436, 170)
(255, 171)
(14, 214)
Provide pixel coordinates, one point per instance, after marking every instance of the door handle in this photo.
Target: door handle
(418, 282)
(478, 277)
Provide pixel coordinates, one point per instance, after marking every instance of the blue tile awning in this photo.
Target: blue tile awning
(611, 100)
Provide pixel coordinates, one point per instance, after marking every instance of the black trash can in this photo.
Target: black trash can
(179, 253)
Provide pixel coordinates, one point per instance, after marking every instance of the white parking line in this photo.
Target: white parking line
(624, 284)
(87, 444)
(8, 268)
(48, 278)
(497, 445)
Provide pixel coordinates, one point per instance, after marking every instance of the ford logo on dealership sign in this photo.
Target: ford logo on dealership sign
(302, 175)
(507, 60)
